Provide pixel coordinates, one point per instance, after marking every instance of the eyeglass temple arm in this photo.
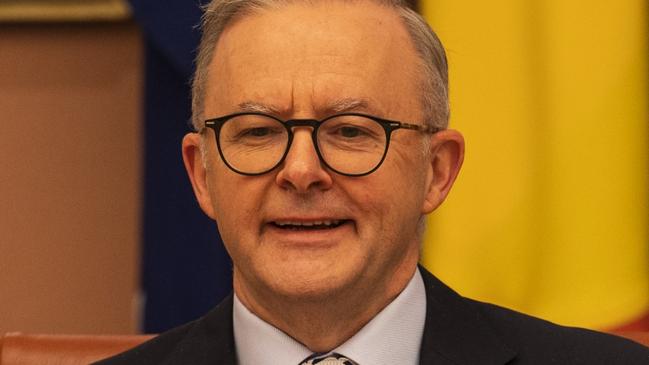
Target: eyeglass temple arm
(208, 124)
(421, 128)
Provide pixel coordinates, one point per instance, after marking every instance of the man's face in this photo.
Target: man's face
(311, 61)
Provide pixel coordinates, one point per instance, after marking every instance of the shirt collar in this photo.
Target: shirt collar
(392, 336)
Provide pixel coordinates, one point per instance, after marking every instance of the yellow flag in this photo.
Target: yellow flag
(550, 215)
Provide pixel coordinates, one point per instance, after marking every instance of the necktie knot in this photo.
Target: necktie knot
(327, 359)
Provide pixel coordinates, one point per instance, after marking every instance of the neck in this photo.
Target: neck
(324, 322)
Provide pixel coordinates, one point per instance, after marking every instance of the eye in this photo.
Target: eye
(253, 129)
(257, 132)
(350, 131)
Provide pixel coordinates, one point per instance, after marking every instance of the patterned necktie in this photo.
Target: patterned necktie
(327, 359)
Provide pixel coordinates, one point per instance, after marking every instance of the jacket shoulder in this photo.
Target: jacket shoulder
(207, 340)
(153, 351)
(539, 339)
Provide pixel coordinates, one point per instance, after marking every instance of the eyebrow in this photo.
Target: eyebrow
(254, 107)
(347, 105)
(342, 105)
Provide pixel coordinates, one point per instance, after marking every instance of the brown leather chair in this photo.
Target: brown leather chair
(24, 349)
(639, 337)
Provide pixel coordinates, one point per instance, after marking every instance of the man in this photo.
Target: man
(321, 147)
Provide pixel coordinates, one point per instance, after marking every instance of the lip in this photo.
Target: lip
(308, 237)
(302, 220)
(323, 222)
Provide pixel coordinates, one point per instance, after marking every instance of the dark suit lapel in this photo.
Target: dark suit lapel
(456, 333)
(210, 341)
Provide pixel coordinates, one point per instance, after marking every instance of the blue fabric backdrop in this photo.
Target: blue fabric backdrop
(185, 269)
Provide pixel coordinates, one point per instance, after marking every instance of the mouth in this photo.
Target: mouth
(313, 225)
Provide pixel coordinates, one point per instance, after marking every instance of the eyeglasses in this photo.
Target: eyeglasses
(350, 144)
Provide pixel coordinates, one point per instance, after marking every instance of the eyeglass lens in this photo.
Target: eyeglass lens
(348, 144)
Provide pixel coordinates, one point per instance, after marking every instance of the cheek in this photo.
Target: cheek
(383, 203)
(412, 170)
(395, 196)
(234, 204)
(235, 217)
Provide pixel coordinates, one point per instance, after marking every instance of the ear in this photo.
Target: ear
(195, 166)
(446, 157)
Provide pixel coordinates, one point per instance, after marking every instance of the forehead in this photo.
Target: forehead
(302, 58)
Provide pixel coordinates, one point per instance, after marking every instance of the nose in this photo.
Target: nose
(302, 170)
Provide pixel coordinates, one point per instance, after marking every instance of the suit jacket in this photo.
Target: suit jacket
(457, 331)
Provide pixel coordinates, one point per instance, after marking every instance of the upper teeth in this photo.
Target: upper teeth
(308, 224)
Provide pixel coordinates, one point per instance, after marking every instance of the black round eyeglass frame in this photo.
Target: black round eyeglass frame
(389, 126)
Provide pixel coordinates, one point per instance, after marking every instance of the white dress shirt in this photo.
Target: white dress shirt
(393, 336)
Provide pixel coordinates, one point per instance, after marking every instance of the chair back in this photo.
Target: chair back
(639, 337)
(25, 349)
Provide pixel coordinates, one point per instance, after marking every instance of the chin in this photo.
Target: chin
(311, 281)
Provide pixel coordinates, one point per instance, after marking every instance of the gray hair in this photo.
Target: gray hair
(434, 88)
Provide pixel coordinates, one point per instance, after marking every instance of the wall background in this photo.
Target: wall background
(70, 177)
